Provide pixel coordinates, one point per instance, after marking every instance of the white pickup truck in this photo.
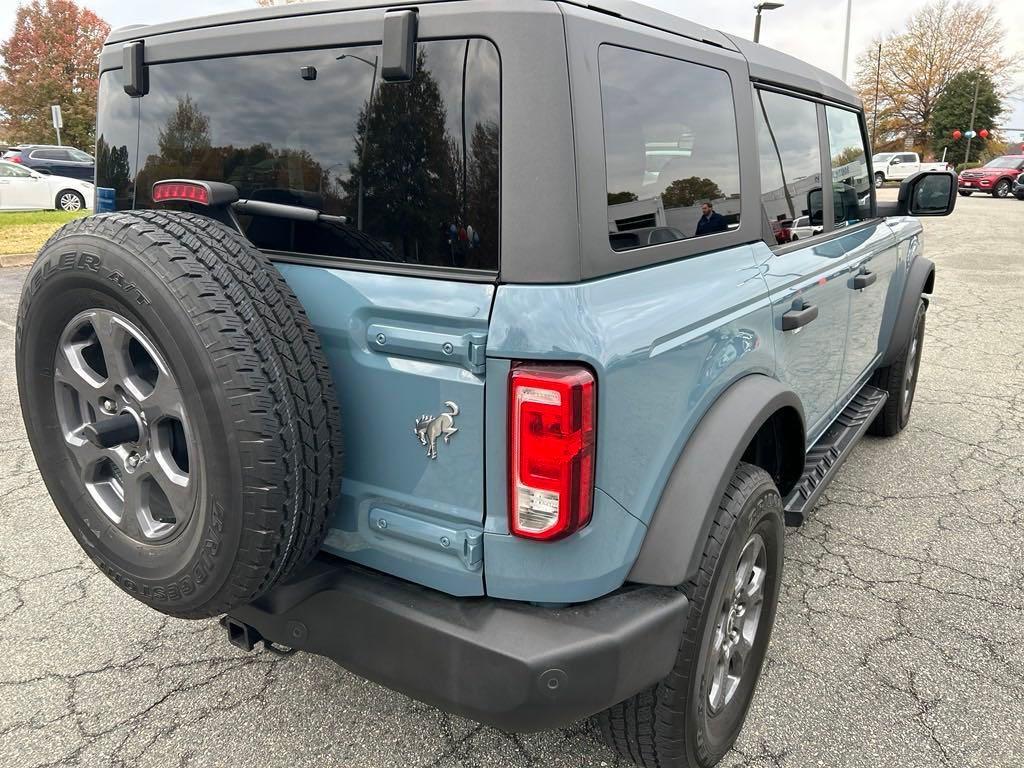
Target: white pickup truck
(896, 166)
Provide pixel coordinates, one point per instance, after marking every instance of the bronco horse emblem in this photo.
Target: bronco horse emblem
(429, 428)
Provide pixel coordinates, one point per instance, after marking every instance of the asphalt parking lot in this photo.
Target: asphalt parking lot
(898, 643)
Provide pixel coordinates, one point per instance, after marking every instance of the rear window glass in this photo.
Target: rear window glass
(671, 149)
(413, 167)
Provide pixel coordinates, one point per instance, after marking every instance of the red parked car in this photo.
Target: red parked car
(995, 177)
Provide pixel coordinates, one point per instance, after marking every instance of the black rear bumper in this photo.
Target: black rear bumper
(511, 665)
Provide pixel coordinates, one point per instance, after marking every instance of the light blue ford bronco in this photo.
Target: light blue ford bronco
(532, 263)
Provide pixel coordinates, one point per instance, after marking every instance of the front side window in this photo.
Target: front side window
(850, 180)
(79, 156)
(790, 160)
(671, 149)
(413, 168)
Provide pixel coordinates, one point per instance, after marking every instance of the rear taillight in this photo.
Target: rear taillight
(15, 159)
(189, 192)
(551, 450)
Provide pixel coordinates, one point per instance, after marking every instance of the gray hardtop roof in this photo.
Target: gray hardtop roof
(765, 63)
(625, 9)
(771, 66)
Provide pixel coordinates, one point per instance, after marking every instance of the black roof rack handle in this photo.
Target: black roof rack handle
(399, 49)
(136, 82)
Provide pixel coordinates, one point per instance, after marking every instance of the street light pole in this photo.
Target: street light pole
(874, 108)
(974, 112)
(757, 19)
(846, 39)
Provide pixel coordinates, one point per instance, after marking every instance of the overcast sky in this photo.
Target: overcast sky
(809, 29)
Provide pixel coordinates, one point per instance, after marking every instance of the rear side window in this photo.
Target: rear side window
(413, 167)
(671, 149)
(850, 179)
(790, 160)
(49, 154)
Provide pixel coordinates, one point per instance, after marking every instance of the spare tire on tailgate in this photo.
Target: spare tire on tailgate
(179, 407)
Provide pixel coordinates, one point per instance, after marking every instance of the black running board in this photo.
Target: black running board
(828, 454)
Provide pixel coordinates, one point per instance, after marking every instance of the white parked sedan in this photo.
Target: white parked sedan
(22, 189)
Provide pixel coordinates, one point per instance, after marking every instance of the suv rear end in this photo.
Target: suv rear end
(571, 371)
(453, 188)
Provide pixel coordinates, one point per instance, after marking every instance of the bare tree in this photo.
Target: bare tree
(941, 40)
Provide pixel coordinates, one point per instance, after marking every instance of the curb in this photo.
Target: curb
(17, 259)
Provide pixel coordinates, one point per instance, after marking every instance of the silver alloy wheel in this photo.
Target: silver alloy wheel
(908, 373)
(736, 629)
(106, 367)
(1003, 188)
(70, 201)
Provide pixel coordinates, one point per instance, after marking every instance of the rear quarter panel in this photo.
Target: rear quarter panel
(664, 342)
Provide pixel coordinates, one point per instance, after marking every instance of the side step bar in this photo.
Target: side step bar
(831, 450)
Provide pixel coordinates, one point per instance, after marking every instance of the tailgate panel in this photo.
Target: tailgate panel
(400, 348)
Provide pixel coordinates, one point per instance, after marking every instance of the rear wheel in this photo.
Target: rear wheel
(179, 408)
(69, 200)
(1001, 189)
(900, 380)
(879, 179)
(692, 717)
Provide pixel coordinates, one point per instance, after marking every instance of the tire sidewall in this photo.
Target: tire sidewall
(713, 735)
(85, 271)
(907, 404)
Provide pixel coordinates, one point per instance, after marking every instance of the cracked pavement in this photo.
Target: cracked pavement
(898, 640)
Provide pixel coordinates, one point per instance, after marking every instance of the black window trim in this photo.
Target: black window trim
(598, 258)
(718, 236)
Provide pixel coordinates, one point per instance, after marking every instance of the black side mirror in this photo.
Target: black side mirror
(816, 206)
(927, 193)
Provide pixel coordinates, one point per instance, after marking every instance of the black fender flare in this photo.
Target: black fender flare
(920, 280)
(679, 528)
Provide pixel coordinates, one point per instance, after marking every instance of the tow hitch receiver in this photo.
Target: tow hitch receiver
(241, 635)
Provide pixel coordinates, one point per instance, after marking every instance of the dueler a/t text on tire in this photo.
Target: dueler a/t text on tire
(692, 717)
(179, 407)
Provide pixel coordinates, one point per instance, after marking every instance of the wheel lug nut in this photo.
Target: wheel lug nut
(108, 405)
(132, 460)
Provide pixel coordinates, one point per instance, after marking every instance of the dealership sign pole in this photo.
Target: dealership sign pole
(58, 120)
